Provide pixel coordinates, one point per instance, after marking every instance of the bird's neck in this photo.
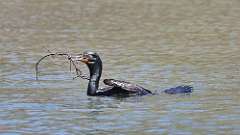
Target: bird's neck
(95, 75)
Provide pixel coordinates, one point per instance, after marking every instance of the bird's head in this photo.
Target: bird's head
(91, 59)
(88, 57)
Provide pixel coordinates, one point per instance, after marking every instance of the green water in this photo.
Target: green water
(158, 44)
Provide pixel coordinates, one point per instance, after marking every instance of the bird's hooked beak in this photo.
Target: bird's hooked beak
(83, 58)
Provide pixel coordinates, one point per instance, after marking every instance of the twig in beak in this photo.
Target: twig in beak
(71, 60)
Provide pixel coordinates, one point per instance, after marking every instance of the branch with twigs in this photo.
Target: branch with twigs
(72, 62)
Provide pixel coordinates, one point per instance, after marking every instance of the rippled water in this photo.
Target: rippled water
(157, 44)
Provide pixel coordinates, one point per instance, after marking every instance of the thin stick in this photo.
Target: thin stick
(72, 62)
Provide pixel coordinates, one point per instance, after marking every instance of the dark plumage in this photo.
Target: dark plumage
(179, 89)
(116, 87)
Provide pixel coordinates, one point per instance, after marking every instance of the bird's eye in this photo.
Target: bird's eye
(92, 57)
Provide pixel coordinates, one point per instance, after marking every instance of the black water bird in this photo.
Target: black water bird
(116, 87)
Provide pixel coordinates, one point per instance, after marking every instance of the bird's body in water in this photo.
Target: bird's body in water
(116, 87)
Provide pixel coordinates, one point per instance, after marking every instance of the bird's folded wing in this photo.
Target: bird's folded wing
(122, 84)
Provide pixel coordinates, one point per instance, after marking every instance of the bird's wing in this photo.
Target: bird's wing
(123, 84)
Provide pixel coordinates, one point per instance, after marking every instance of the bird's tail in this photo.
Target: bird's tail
(180, 90)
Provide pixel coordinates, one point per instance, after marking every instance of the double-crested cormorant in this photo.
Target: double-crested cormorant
(116, 87)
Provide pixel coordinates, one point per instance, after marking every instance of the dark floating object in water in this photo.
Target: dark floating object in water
(179, 89)
(116, 87)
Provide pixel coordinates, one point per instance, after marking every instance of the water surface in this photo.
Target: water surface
(157, 44)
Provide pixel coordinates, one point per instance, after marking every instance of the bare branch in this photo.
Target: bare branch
(71, 61)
